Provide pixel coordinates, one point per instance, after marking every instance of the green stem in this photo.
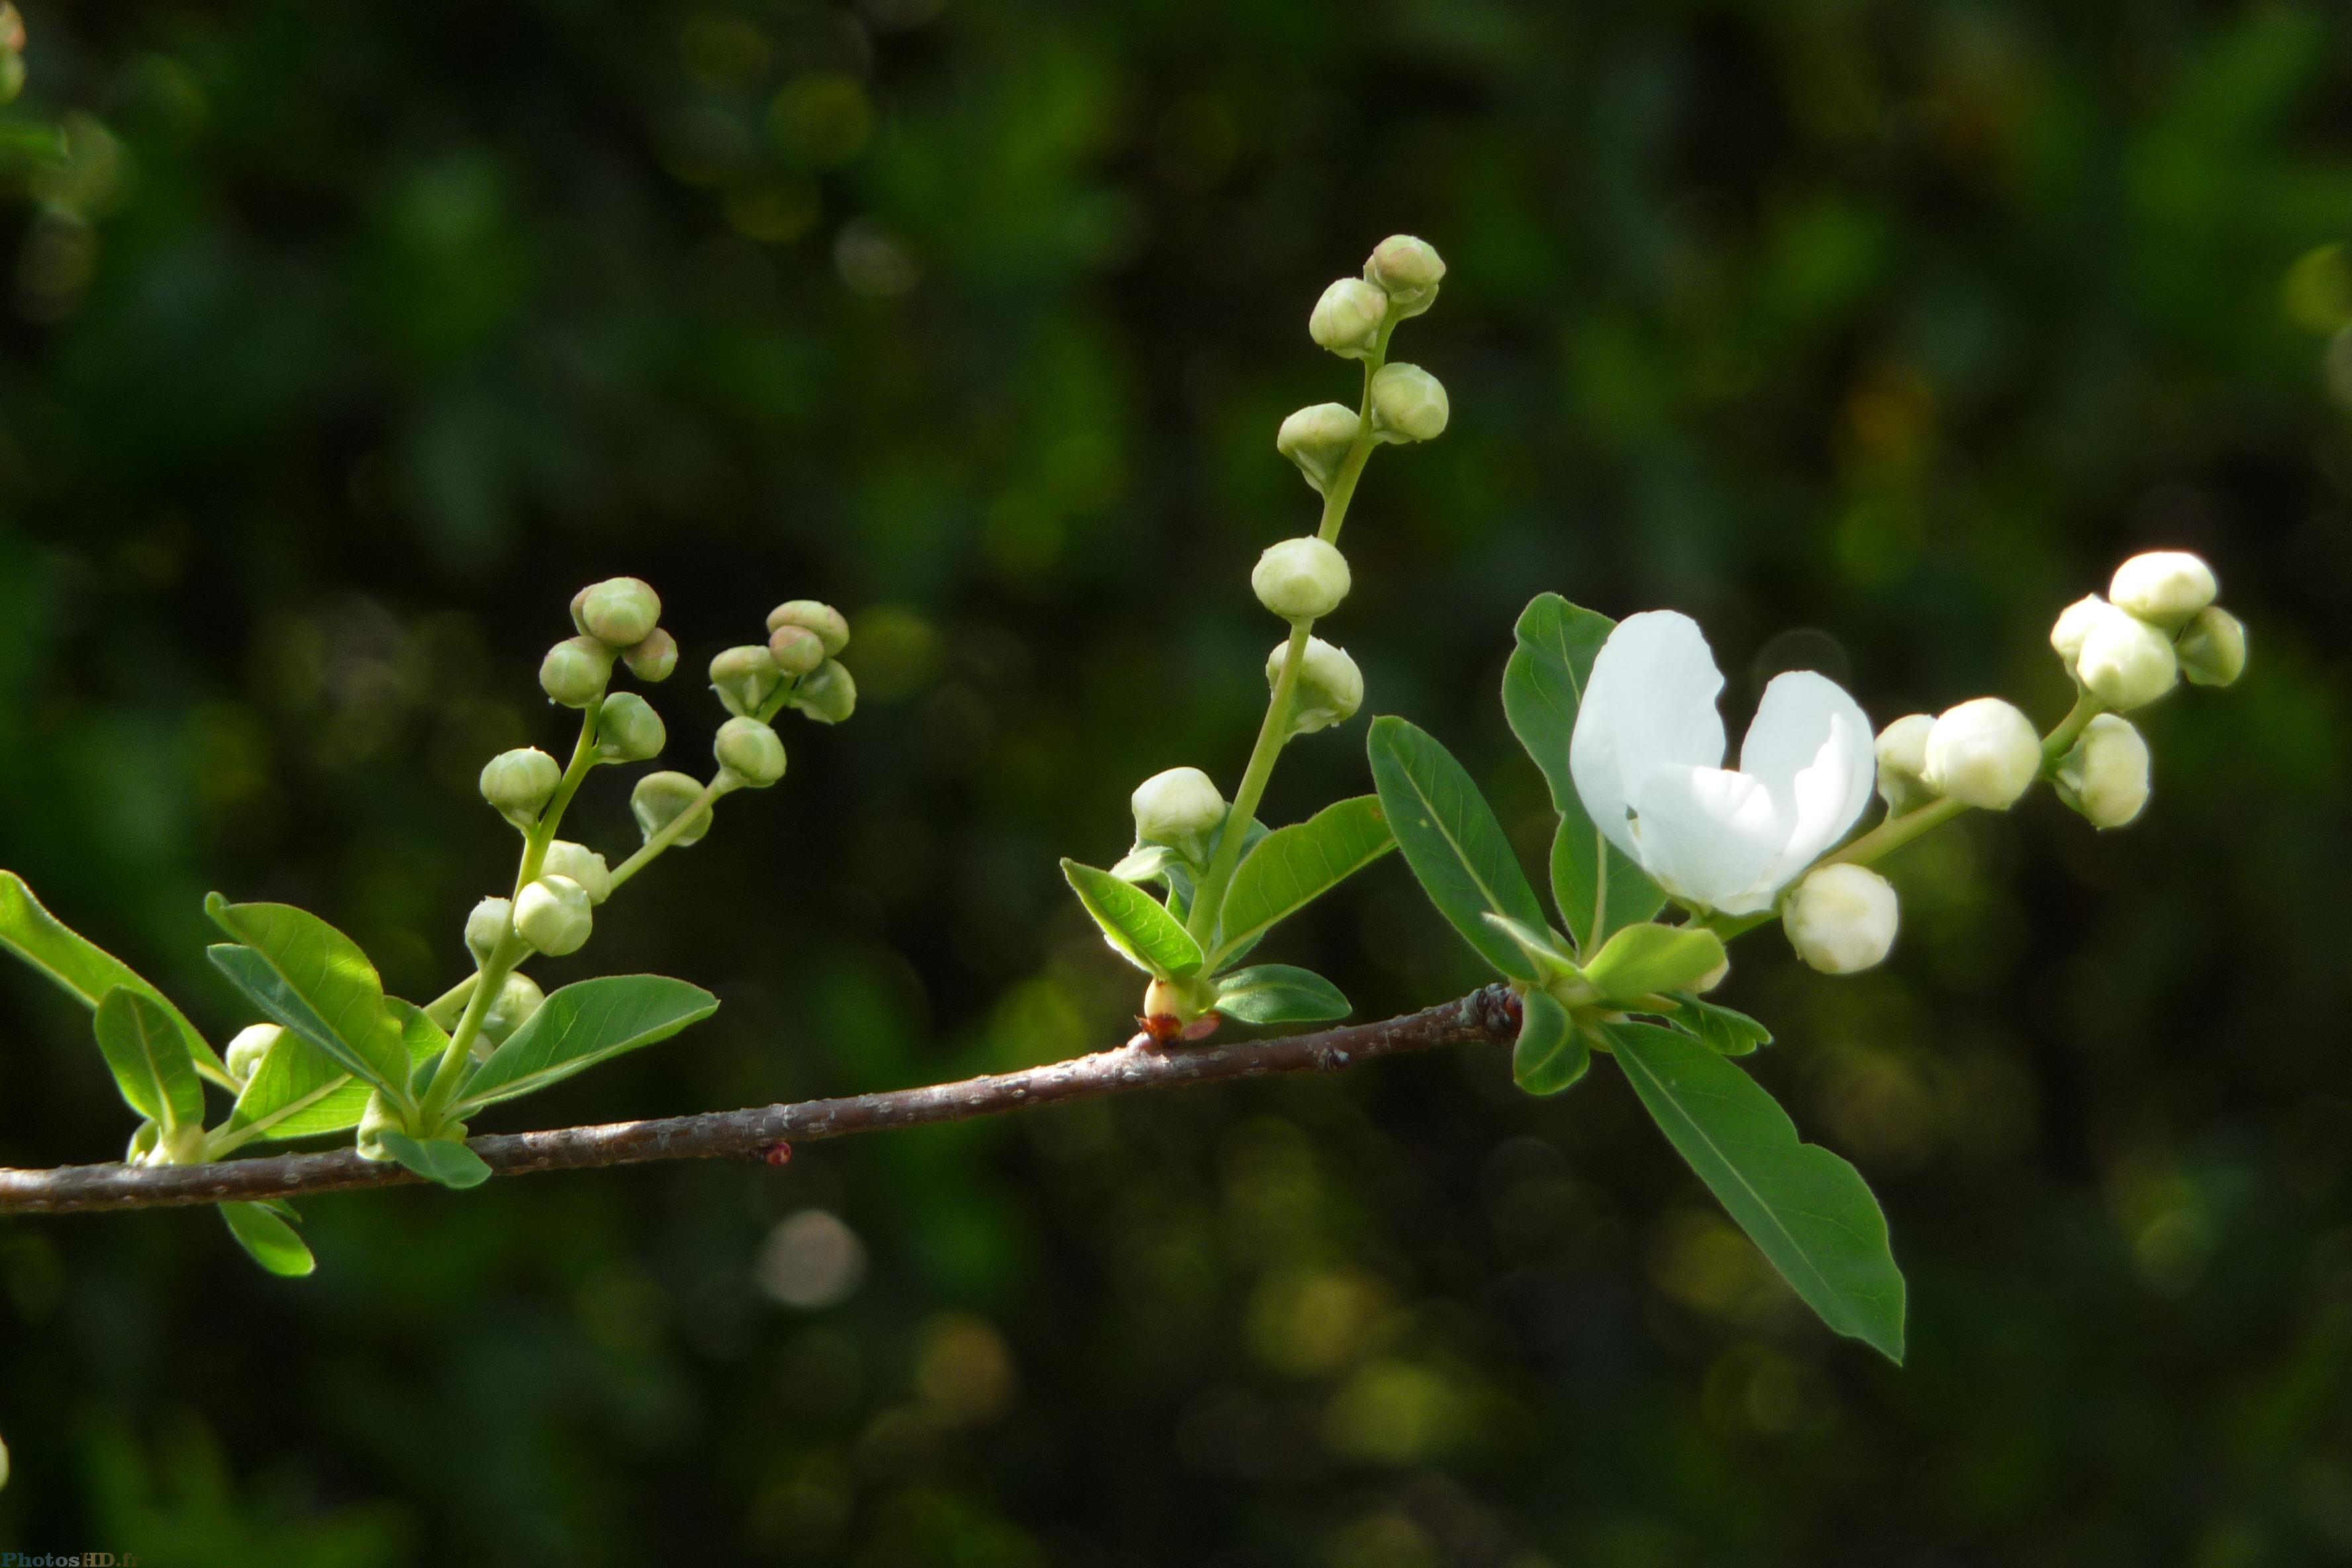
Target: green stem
(722, 782)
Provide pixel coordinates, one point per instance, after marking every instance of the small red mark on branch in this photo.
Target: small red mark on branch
(777, 1153)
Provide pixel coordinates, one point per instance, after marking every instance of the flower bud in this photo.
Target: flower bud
(2163, 587)
(1408, 403)
(575, 671)
(1317, 439)
(628, 729)
(1180, 808)
(821, 618)
(1983, 753)
(652, 660)
(377, 1120)
(517, 1000)
(1301, 579)
(2213, 647)
(750, 751)
(553, 915)
(1842, 918)
(582, 865)
(246, 1048)
(1347, 319)
(2073, 624)
(744, 677)
(486, 926)
(795, 650)
(2126, 663)
(1903, 762)
(519, 781)
(1408, 271)
(2105, 777)
(1330, 687)
(660, 798)
(827, 694)
(620, 610)
(141, 1150)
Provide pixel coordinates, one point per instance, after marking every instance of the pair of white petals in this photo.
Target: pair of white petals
(1647, 757)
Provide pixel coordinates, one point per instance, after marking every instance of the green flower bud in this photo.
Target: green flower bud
(1842, 918)
(517, 1000)
(519, 781)
(1983, 753)
(660, 798)
(2126, 663)
(1903, 763)
(628, 729)
(821, 618)
(1301, 579)
(1330, 687)
(2213, 647)
(553, 915)
(582, 865)
(246, 1048)
(487, 925)
(621, 612)
(796, 649)
(1408, 271)
(1408, 405)
(2163, 587)
(575, 670)
(377, 1120)
(652, 660)
(1317, 438)
(1180, 808)
(750, 751)
(1347, 319)
(2105, 777)
(827, 694)
(744, 677)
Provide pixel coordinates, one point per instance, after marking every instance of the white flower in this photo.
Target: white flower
(2105, 777)
(1180, 808)
(1330, 687)
(1842, 918)
(1983, 753)
(1301, 579)
(2163, 587)
(1647, 758)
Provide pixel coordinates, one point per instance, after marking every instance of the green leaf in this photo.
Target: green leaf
(144, 1049)
(315, 981)
(1542, 947)
(1809, 1210)
(1292, 866)
(268, 1238)
(299, 1090)
(1644, 960)
(1134, 923)
(1145, 862)
(86, 971)
(581, 1026)
(1550, 1055)
(1452, 842)
(1599, 889)
(1725, 1029)
(1279, 993)
(443, 1160)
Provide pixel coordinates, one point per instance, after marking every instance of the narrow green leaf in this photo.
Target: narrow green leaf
(443, 1160)
(84, 970)
(1599, 889)
(267, 1239)
(1452, 842)
(1551, 1053)
(1279, 993)
(1725, 1029)
(1134, 923)
(1542, 947)
(315, 981)
(144, 1050)
(1643, 960)
(1292, 866)
(1810, 1211)
(581, 1026)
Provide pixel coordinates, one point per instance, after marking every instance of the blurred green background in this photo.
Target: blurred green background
(351, 339)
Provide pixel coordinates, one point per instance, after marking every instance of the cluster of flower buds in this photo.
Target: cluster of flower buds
(619, 618)
(2158, 623)
(798, 666)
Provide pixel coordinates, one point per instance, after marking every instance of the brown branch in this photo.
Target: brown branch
(1485, 1014)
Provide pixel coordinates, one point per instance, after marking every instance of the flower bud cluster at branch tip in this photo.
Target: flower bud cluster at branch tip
(553, 915)
(520, 783)
(1180, 808)
(1842, 918)
(620, 611)
(750, 749)
(1985, 754)
(2159, 624)
(2163, 587)
(1330, 687)
(628, 729)
(1903, 763)
(1317, 438)
(2106, 776)
(1408, 271)
(1301, 579)
(1408, 405)
(246, 1048)
(1347, 319)
(832, 629)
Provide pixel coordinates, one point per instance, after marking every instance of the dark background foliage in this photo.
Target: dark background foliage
(1870, 334)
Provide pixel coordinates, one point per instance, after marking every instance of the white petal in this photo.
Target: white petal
(1810, 748)
(1650, 703)
(1707, 834)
